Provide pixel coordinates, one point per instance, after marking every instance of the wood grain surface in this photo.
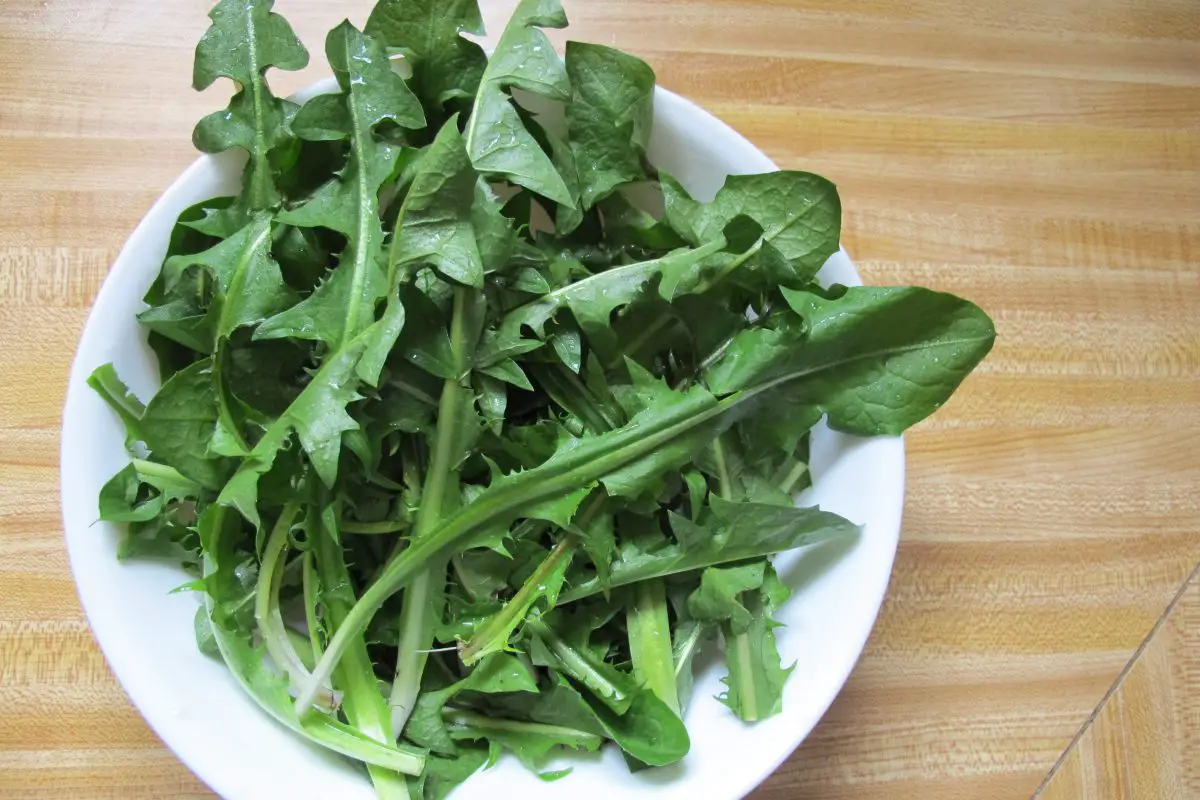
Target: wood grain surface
(1041, 157)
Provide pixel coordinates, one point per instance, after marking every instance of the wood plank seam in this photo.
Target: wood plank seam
(1116, 686)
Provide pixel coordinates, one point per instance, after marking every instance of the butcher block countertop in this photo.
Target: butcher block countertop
(1041, 157)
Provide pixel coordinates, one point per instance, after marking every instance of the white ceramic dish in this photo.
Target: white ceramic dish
(201, 713)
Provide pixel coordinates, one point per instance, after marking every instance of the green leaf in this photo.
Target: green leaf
(875, 361)
(120, 399)
(498, 673)
(649, 730)
(362, 702)
(317, 415)
(247, 663)
(442, 775)
(609, 117)
(754, 687)
(122, 498)
(182, 315)
(429, 33)
(178, 424)
(593, 300)
(543, 585)
(531, 742)
(497, 141)
(692, 417)
(206, 641)
(718, 597)
(800, 215)
(436, 222)
(614, 689)
(342, 306)
(736, 531)
(649, 629)
(246, 39)
(248, 284)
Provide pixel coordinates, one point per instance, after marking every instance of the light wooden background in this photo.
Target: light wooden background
(1041, 157)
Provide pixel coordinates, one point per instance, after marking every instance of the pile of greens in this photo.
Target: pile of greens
(474, 426)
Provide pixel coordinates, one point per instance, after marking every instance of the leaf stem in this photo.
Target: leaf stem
(493, 635)
(424, 598)
(650, 641)
(580, 666)
(266, 606)
(457, 718)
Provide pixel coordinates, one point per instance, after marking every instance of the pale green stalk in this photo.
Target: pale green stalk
(424, 597)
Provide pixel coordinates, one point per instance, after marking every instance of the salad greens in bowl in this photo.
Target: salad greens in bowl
(505, 415)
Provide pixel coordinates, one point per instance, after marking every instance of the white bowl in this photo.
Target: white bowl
(198, 709)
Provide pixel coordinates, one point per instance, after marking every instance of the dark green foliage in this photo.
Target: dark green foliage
(395, 408)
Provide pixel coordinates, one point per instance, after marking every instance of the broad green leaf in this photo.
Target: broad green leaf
(649, 730)
(609, 117)
(718, 599)
(497, 141)
(445, 66)
(875, 360)
(800, 215)
(178, 423)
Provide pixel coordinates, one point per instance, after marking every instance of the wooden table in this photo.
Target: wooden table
(1041, 157)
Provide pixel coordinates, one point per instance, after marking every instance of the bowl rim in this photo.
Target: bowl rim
(112, 643)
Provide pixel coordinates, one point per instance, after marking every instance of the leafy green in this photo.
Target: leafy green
(875, 360)
(436, 220)
(497, 141)
(342, 306)
(445, 66)
(754, 688)
(799, 213)
(217, 529)
(246, 38)
(473, 427)
(608, 117)
(735, 531)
